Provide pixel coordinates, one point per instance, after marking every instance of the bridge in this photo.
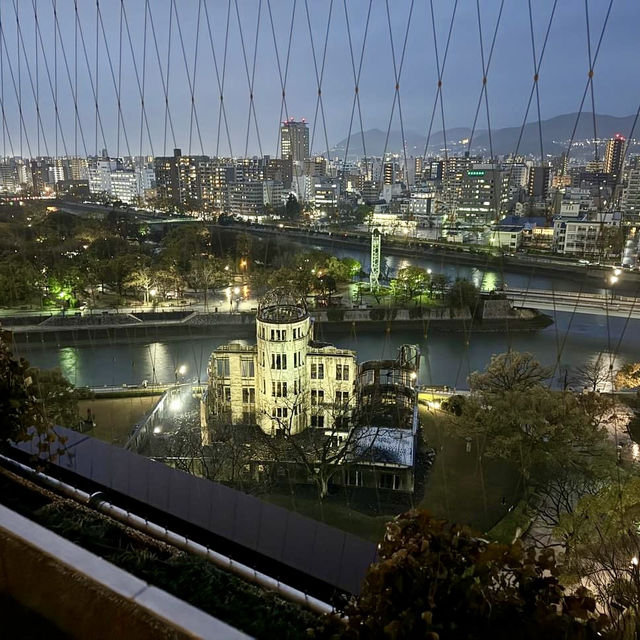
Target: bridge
(600, 304)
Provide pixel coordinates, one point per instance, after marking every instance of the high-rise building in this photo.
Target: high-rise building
(8, 178)
(124, 186)
(417, 169)
(100, 170)
(453, 171)
(484, 194)
(631, 198)
(187, 180)
(316, 167)
(539, 182)
(326, 193)
(249, 199)
(389, 172)
(294, 140)
(614, 156)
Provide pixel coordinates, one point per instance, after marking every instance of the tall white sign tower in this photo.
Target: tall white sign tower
(374, 273)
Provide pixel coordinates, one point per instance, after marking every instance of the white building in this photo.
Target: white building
(100, 175)
(391, 223)
(124, 186)
(631, 197)
(581, 236)
(506, 238)
(248, 199)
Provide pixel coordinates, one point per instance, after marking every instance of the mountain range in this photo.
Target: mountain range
(556, 133)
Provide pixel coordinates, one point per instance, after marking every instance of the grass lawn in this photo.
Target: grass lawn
(458, 487)
(115, 417)
(334, 513)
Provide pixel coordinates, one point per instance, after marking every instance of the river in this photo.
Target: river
(447, 358)
(486, 278)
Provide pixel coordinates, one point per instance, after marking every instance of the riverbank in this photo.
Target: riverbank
(492, 315)
(547, 265)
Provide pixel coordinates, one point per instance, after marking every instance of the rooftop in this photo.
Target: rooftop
(383, 445)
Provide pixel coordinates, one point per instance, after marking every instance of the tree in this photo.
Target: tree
(510, 371)
(362, 213)
(558, 487)
(341, 269)
(628, 377)
(292, 208)
(463, 294)
(184, 244)
(208, 273)
(412, 281)
(602, 549)
(439, 282)
(32, 401)
(141, 278)
(594, 375)
(438, 580)
(531, 428)
(59, 398)
(20, 408)
(321, 451)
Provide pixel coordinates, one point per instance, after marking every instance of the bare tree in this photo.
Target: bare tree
(595, 375)
(321, 451)
(207, 273)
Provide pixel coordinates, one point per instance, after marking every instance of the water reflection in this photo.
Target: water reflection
(518, 279)
(68, 363)
(446, 358)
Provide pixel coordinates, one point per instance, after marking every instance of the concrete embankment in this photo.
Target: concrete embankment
(493, 315)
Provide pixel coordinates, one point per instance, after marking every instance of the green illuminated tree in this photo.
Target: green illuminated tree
(412, 281)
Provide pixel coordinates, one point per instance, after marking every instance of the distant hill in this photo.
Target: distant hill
(556, 132)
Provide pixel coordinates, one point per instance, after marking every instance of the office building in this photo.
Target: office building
(484, 194)
(252, 199)
(294, 140)
(539, 183)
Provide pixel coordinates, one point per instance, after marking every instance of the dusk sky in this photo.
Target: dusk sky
(562, 78)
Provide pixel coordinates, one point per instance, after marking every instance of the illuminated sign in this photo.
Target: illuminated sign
(475, 173)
